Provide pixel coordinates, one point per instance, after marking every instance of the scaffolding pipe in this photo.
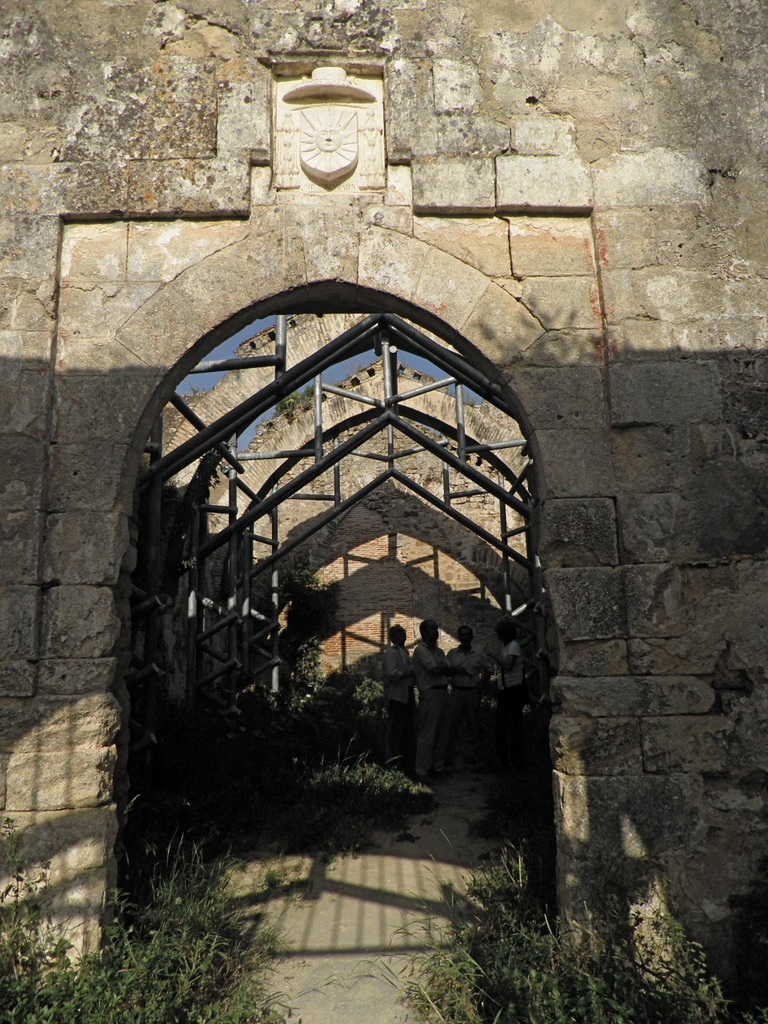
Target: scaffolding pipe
(318, 523)
(275, 595)
(246, 363)
(461, 433)
(246, 412)
(463, 467)
(189, 414)
(287, 491)
(317, 414)
(459, 517)
(281, 344)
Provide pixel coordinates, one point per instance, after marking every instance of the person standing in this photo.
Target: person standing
(470, 670)
(401, 702)
(511, 698)
(432, 670)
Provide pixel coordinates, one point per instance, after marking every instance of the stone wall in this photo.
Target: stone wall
(576, 198)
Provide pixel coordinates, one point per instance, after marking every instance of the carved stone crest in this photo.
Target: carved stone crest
(329, 131)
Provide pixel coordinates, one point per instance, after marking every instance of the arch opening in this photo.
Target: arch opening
(221, 521)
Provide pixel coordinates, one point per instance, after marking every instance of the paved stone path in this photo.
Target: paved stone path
(352, 936)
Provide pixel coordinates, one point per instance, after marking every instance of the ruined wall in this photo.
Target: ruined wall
(576, 195)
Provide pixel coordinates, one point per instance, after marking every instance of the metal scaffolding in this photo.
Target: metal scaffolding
(228, 639)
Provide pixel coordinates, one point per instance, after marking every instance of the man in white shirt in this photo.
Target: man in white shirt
(401, 704)
(471, 669)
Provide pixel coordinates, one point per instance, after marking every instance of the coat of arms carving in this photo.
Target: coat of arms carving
(329, 132)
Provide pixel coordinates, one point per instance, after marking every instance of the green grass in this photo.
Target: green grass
(183, 957)
(512, 964)
(340, 804)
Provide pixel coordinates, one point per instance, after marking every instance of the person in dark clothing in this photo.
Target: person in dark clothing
(511, 698)
(401, 703)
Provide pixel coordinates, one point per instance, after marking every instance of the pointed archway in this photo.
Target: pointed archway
(235, 545)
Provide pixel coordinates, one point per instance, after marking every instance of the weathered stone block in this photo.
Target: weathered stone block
(483, 244)
(633, 238)
(17, 678)
(501, 326)
(588, 604)
(409, 91)
(19, 609)
(103, 407)
(24, 397)
(268, 262)
(631, 816)
(26, 320)
(663, 393)
(49, 724)
(572, 463)
(79, 622)
(76, 676)
(392, 216)
(620, 300)
(90, 318)
(161, 251)
(648, 526)
(21, 488)
(82, 904)
(64, 188)
(648, 458)
(388, 264)
(28, 246)
(596, 746)
(243, 124)
(564, 302)
(704, 743)
(672, 296)
(655, 602)
(593, 658)
(566, 348)
(551, 246)
(262, 193)
(461, 184)
(94, 252)
(77, 481)
(85, 547)
(330, 242)
(457, 86)
(542, 183)
(578, 532)
(675, 296)
(399, 186)
(544, 135)
(644, 179)
(39, 781)
(189, 187)
(69, 842)
(696, 651)
(633, 695)
(571, 396)
(19, 546)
